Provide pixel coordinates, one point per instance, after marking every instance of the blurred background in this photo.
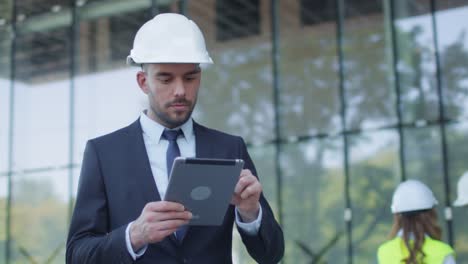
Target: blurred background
(338, 101)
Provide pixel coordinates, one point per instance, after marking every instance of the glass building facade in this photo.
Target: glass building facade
(338, 101)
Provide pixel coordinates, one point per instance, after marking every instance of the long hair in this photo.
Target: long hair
(415, 226)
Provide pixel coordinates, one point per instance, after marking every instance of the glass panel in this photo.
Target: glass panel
(3, 215)
(28, 8)
(107, 96)
(313, 196)
(453, 50)
(5, 83)
(263, 158)
(369, 89)
(107, 29)
(423, 152)
(236, 93)
(457, 142)
(374, 174)
(5, 54)
(6, 11)
(416, 61)
(105, 42)
(310, 102)
(237, 19)
(41, 100)
(460, 214)
(74, 187)
(76, 177)
(39, 213)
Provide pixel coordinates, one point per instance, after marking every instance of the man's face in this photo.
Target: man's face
(172, 90)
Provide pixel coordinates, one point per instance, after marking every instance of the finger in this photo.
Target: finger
(235, 200)
(163, 206)
(167, 232)
(245, 172)
(243, 183)
(171, 225)
(186, 215)
(160, 230)
(252, 190)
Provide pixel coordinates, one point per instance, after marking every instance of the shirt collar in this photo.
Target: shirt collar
(411, 235)
(154, 130)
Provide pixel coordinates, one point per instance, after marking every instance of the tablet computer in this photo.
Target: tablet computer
(204, 186)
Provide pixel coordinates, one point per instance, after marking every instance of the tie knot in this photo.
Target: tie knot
(171, 135)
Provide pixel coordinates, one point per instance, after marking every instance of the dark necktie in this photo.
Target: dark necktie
(173, 149)
(172, 153)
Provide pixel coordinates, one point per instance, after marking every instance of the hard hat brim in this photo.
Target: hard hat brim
(132, 62)
(460, 202)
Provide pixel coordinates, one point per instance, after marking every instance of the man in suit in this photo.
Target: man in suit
(119, 216)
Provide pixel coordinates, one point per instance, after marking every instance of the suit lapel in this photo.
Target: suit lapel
(140, 165)
(203, 146)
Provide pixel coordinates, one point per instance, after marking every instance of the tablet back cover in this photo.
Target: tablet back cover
(204, 187)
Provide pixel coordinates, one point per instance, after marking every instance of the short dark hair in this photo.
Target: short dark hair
(144, 66)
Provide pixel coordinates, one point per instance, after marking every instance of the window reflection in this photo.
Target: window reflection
(238, 86)
(6, 9)
(457, 142)
(29, 8)
(4, 125)
(309, 85)
(237, 18)
(3, 212)
(41, 127)
(39, 213)
(453, 50)
(5, 59)
(424, 162)
(42, 56)
(416, 63)
(374, 173)
(313, 196)
(369, 90)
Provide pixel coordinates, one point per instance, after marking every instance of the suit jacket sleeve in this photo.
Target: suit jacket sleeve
(90, 239)
(268, 245)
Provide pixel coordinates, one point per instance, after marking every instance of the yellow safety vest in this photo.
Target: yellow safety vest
(395, 251)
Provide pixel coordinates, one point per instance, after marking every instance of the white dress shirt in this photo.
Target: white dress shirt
(156, 148)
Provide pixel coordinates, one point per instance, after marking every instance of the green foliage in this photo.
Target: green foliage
(23, 251)
(317, 256)
(38, 220)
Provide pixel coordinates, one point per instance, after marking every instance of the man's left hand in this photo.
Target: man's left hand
(247, 195)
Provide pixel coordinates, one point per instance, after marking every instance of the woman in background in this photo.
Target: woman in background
(415, 235)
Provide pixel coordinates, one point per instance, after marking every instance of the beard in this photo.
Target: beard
(165, 118)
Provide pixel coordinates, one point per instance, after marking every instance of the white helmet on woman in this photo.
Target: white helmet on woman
(412, 195)
(169, 38)
(462, 191)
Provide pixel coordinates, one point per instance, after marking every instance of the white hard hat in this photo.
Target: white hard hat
(412, 195)
(169, 38)
(462, 191)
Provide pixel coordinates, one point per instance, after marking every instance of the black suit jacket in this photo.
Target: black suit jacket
(115, 184)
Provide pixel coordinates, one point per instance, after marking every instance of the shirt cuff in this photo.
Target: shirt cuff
(252, 227)
(140, 252)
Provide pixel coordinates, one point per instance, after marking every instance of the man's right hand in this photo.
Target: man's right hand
(157, 221)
